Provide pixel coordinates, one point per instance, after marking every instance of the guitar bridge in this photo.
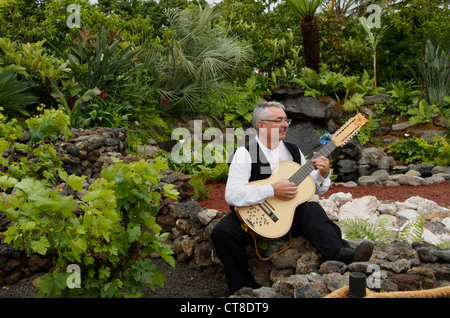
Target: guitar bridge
(267, 208)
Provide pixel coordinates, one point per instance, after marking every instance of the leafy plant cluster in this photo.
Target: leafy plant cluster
(209, 165)
(380, 231)
(113, 237)
(39, 158)
(349, 89)
(413, 150)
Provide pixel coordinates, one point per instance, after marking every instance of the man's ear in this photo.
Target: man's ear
(259, 124)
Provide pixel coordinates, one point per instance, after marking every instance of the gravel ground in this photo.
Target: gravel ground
(182, 281)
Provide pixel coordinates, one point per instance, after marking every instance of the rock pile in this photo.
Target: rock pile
(396, 215)
(377, 168)
(300, 271)
(400, 266)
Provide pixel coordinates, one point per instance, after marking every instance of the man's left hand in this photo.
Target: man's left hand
(322, 164)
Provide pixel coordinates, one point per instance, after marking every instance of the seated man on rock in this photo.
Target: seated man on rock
(310, 220)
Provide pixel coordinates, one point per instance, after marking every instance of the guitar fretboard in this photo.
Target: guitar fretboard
(307, 168)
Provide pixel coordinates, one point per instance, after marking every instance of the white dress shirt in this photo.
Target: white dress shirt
(237, 190)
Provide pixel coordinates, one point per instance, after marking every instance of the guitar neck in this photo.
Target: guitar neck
(307, 168)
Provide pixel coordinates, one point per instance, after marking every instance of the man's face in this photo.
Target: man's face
(275, 126)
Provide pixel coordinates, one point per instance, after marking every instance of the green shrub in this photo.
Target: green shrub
(415, 149)
(110, 242)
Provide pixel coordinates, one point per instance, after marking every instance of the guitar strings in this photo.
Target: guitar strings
(306, 169)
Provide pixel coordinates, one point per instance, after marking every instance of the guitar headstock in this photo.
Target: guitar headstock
(348, 130)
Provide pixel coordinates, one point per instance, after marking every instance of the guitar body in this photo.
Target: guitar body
(273, 218)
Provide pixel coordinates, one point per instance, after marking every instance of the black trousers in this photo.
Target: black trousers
(230, 241)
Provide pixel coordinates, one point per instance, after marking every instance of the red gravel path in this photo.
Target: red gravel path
(438, 192)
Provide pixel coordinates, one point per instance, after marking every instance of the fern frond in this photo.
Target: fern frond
(362, 229)
(413, 230)
(444, 245)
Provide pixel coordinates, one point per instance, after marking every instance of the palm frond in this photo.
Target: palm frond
(13, 93)
(306, 8)
(201, 56)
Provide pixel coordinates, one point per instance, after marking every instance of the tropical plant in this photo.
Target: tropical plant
(49, 124)
(413, 230)
(14, 94)
(32, 60)
(33, 64)
(310, 30)
(422, 113)
(201, 58)
(404, 91)
(104, 63)
(373, 40)
(434, 74)
(237, 109)
(351, 89)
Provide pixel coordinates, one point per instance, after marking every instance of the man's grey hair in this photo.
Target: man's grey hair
(261, 111)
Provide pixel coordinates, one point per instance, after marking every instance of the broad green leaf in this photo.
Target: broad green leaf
(133, 232)
(76, 182)
(109, 173)
(10, 234)
(45, 200)
(63, 175)
(67, 206)
(92, 195)
(30, 186)
(122, 182)
(7, 182)
(40, 246)
(28, 226)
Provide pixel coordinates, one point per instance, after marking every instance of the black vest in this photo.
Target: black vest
(260, 165)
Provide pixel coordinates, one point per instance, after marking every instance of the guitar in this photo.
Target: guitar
(273, 218)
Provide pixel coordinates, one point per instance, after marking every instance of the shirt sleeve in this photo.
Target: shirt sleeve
(237, 190)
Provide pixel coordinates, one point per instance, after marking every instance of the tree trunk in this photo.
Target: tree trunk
(375, 66)
(310, 33)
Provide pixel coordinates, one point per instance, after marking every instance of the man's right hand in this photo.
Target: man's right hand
(284, 190)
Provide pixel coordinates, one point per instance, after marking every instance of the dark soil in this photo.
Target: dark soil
(182, 281)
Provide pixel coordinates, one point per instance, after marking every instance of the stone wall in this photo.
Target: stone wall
(300, 270)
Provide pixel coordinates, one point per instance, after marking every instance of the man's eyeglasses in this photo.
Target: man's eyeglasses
(279, 121)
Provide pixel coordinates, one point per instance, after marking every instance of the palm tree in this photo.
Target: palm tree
(310, 30)
(201, 58)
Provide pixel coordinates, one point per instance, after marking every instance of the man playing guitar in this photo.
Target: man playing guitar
(256, 161)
